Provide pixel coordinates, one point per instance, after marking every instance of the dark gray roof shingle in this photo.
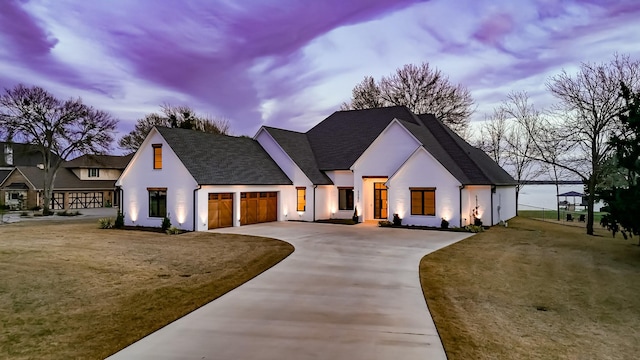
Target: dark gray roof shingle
(223, 160)
(339, 140)
(65, 180)
(296, 145)
(99, 161)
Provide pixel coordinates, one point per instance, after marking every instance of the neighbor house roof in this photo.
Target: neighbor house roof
(99, 161)
(339, 140)
(65, 180)
(223, 160)
(297, 146)
(4, 174)
(23, 154)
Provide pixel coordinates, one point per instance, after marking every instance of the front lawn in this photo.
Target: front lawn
(70, 290)
(536, 290)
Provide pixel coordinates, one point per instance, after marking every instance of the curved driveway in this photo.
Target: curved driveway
(347, 292)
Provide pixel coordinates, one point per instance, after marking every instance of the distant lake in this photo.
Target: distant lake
(544, 196)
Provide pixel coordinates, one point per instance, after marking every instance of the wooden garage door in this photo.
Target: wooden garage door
(220, 210)
(258, 207)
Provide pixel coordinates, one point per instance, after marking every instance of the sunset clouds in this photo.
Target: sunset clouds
(291, 63)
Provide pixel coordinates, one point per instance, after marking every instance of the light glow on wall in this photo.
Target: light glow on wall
(133, 211)
(181, 206)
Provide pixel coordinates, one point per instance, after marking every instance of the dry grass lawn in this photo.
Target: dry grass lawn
(536, 290)
(69, 290)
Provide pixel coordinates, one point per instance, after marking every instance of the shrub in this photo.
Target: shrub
(166, 223)
(24, 213)
(444, 224)
(68, 213)
(36, 208)
(119, 223)
(474, 228)
(397, 221)
(385, 223)
(173, 231)
(105, 223)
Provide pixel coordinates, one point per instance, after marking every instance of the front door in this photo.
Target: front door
(379, 201)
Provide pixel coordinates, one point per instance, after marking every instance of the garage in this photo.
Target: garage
(258, 207)
(86, 200)
(220, 210)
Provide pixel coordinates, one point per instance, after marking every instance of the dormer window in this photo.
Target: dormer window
(8, 154)
(94, 172)
(157, 156)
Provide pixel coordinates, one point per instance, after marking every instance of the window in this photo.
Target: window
(302, 198)
(157, 202)
(345, 198)
(157, 156)
(94, 172)
(423, 201)
(8, 154)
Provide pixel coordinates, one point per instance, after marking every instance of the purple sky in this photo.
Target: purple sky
(292, 63)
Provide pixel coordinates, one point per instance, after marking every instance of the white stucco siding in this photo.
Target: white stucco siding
(480, 196)
(340, 178)
(140, 175)
(381, 159)
(422, 170)
(504, 203)
(286, 201)
(283, 160)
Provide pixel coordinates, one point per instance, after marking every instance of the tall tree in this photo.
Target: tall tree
(507, 139)
(420, 88)
(623, 202)
(589, 104)
(172, 116)
(57, 128)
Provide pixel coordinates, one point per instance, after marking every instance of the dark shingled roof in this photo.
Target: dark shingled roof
(223, 160)
(65, 180)
(3, 175)
(99, 161)
(23, 154)
(296, 145)
(339, 140)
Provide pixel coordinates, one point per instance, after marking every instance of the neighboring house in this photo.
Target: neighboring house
(84, 182)
(375, 162)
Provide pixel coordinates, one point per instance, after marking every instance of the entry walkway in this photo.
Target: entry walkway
(347, 292)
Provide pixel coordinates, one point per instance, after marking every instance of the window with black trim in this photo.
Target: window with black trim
(302, 198)
(157, 156)
(423, 201)
(94, 172)
(345, 198)
(157, 202)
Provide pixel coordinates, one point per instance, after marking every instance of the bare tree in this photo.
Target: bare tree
(588, 108)
(420, 88)
(57, 128)
(493, 134)
(172, 116)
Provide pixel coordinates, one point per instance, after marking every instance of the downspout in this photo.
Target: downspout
(460, 207)
(194, 206)
(120, 194)
(493, 191)
(314, 202)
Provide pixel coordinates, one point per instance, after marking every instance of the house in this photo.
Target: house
(374, 163)
(87, 181)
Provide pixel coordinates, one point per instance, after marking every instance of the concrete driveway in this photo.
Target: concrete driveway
(347, 292)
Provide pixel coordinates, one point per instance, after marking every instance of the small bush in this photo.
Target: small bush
(444, 224)
(385, 223)
(105, 223)
(166, 223)
(68, 213)
(36, 208)
(119, 223)
(474, 228)
(397, 221)
(173, 231)
(24, 214)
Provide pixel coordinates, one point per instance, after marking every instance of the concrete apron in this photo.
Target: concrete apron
(347, 292)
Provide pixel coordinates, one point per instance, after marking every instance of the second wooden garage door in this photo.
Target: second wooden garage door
(258, 207)
(220, 210)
